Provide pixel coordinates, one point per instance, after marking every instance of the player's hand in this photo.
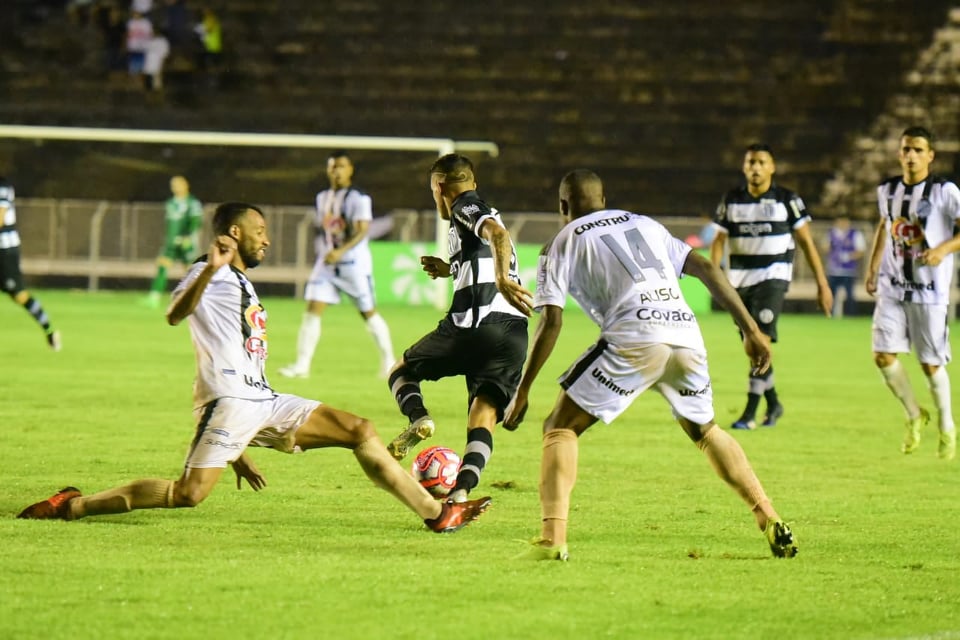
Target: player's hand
(931, 257)
(222, 250)
(246, 470)
(435, 267)
(520, 298)
(333, 256)
(515, 411)
(870, 283)
(825, 300)
(757, 347)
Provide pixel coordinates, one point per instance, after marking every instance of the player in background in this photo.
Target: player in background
(234, 405)
(622, 269)
(910, 274)
(483, 336)
(845, 247)
(11, 278)
(763, 222)
(343, 266)
(183, 214)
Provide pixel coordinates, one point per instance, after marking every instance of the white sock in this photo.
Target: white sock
(896, 379)
(940, 390)
(307, 340)
(378, 328)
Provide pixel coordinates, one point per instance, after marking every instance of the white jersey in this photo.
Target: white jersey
(9, 237)
(229, 332)
(338, 210)
(622, 269)
(916, 217)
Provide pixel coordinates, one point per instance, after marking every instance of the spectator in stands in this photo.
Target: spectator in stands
(154, 58)
(845, 247)
(184, 217)
(114, 31)
(139, 34)
(762, 221)
(210, 37)
(11, 279)
(175, 22)
(910, 272)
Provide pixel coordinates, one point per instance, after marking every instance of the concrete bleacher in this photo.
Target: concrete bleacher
(660, 100)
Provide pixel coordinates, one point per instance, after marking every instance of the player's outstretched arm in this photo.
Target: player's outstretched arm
(221, 252)
(544, 339)
(756, 345)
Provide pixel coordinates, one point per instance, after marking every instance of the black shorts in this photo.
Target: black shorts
(491, 358)
(11, 280)
(764, 301)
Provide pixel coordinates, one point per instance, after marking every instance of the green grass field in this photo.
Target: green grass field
(660, 547)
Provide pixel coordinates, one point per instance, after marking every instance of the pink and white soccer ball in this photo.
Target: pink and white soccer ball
(436, 470)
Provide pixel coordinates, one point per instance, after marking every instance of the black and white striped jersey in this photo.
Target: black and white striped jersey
(917, 217)
(760, 233)
(9, 237)
(476, 299)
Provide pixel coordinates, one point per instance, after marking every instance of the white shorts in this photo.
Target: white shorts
(226, 426)
(328, 281)
(898, 325)
(606, 379)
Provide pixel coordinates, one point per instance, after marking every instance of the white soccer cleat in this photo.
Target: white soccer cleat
(292, 371)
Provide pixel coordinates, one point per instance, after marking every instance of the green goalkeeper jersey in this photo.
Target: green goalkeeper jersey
(184, 218)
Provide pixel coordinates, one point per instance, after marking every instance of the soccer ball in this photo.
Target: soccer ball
(436, 470)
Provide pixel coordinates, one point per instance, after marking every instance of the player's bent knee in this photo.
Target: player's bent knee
(884, 359)
(189, 495)
(362, 430)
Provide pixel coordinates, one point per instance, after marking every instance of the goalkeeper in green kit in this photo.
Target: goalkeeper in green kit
(184, 218)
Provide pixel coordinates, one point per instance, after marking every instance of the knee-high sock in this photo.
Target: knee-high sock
(142, 494)
(558, 475)
(307, 340)
(940, 390)
(770, 392)
(475, 458)
(407, 393)
(730, 462)
(896, 378)
(35, 309)
(378, 328)
(159, 284)
(386, 473)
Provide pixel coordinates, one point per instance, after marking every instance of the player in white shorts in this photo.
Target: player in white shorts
(343, 266)
(234, 404)
(910, 273)
(622, 269)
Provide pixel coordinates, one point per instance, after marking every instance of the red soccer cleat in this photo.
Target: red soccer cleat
(54, 507)
(456, 515)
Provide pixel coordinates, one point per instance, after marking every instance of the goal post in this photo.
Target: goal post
(440, 146)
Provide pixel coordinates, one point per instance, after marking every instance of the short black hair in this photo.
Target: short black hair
(340, 153)
(227, 215)
(454, 168)
(917, 131)
(760, 146)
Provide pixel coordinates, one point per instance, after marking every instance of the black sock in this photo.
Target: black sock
(771, 393)
(475, 458)
(750, 412)
(406, 391)
(36, 310)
